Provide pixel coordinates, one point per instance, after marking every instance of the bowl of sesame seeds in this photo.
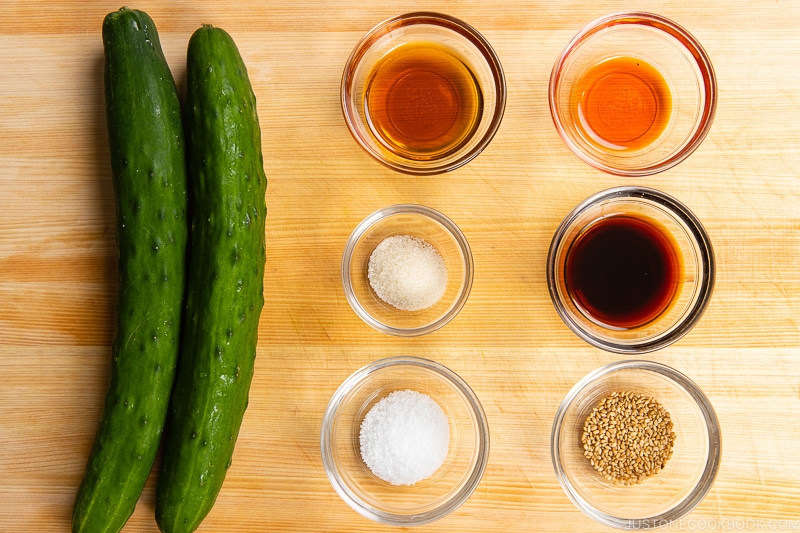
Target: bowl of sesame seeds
(636, 445)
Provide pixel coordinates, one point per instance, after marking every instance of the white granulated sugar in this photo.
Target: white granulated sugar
(404, 437)
(407, 273)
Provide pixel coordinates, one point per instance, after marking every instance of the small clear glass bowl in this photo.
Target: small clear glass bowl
(693, 249)
(427, 500)
(672, 492)
(416, 221)
(464, 42)
(665, 45)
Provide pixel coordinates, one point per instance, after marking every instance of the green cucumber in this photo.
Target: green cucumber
(225, 286)
(149, 174)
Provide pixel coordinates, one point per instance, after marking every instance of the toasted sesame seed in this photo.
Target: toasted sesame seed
(628, 437)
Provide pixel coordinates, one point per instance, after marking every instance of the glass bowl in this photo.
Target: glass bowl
(693, 256)
(672, 492)
(429, 499)
(674, 53)
(475, 69)
(416, 221)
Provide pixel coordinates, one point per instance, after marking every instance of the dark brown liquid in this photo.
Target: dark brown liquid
(422, 101)
(622, 103)
(623, 272)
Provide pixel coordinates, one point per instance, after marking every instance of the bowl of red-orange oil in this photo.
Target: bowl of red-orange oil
(423, 93)
(633, 94)
(631, 270)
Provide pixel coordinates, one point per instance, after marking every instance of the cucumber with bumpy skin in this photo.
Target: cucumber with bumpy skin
(225, 287)
(148, 169)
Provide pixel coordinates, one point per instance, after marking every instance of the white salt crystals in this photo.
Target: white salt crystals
(407, 273)
(404, 437)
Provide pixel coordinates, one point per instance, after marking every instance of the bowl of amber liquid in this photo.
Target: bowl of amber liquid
(636, 445)
(633, 94)
(630, 270)
(423, 93)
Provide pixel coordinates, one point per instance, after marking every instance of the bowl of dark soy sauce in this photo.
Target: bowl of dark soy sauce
(631, 270)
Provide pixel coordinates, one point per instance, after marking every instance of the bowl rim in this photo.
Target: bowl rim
(710, 470)
(478, 415)
(450, 227)
(706, 279)
(690, 43)
(462, 29)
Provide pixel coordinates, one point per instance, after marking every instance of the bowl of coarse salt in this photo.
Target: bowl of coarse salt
(404, 441)
(407, 270)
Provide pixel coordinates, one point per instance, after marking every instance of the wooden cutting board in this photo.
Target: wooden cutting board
(58, 263)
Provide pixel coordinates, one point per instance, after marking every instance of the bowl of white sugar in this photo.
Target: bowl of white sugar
(407, 270)
(404, 441)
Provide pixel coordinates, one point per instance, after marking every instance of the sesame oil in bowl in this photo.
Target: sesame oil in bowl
(422, 101)
(423, 93)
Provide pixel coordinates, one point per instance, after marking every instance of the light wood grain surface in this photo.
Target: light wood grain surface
(58, 270)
